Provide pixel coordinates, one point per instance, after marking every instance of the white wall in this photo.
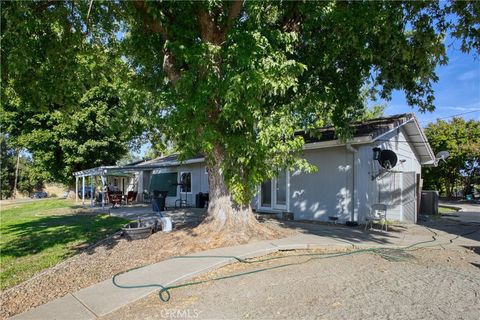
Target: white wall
(331, 190)
(328, 192)
(199, 182)
(386, 188)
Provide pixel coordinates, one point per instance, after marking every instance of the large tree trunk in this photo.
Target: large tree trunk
(232, 223)
(223, 212)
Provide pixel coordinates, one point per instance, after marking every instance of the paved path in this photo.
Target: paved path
(104, 298)
(470, 212)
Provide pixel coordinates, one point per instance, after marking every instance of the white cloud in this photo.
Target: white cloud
(469, 75)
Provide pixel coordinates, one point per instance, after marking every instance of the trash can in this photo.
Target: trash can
(158, 201)
(201, 199)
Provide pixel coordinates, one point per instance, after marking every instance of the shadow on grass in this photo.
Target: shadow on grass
(74, 231)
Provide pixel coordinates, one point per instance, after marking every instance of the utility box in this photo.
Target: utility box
(429, 202)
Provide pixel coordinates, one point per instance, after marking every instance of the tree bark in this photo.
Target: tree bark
(14, 194)
(223, 212)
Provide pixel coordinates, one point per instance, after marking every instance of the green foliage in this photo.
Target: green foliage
(7, 170)
(461, 139)
(233, 80)
(26, 182)
(94, 133)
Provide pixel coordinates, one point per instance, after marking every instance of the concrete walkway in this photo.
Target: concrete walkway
(103, 298)
(469, 213)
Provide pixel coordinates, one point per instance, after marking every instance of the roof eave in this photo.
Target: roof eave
(337, 143)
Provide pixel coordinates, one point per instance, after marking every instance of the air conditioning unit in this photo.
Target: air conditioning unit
(429, 202)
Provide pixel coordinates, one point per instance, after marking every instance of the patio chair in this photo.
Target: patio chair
(377, 215)
(114, 198)
(131, 197)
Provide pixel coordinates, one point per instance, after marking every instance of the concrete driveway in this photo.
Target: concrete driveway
(470, 212)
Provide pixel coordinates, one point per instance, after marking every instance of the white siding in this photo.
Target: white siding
(199, 182)
(386, 188)
(327, 192)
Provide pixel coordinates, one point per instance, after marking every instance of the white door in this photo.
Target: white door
(408, 197)
(273, 193)
(280, 185)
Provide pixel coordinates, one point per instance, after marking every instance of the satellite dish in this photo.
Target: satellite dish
(388, 159)
(442, 155)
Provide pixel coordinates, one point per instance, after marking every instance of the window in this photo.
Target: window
(266, 195)
(186, 182)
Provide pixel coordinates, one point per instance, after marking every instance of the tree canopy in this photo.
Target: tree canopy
(95, 131)
(235, 80)
(461, 138)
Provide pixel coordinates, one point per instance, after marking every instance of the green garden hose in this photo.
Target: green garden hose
(164, 293)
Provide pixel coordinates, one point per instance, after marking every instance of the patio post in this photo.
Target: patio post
(102, 177)
(76, 188)
(83, 190)
(140, 187)
(91, 191)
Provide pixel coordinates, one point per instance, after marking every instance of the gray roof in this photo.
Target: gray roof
(373, 130)
(371, 127)
(157, 163)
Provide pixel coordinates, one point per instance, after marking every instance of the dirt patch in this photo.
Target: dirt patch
(114, 255)
(431, 284)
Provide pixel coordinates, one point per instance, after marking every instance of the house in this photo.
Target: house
(381, 163)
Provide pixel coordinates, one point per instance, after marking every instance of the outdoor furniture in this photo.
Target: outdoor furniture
(131, 197)
(333, 219)
(378, 214)
(146, 197)
(115, 198)
(179, 203)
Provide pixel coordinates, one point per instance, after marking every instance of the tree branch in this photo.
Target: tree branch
(155, 26)
(213, 33)
(233, 13)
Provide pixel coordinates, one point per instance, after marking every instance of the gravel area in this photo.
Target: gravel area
(430, 283)
(111, 256)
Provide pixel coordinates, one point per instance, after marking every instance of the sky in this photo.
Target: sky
(456, 92)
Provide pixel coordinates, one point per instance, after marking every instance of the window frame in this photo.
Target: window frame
(180, 181)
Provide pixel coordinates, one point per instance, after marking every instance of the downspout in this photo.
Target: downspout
(354, 153)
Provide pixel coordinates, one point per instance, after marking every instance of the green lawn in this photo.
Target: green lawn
(39, 234)
(445, 210)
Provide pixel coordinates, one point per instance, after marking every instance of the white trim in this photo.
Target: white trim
(180, 180)
(427, 145)
(337, 143)
(392, 130)
(273, 207)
